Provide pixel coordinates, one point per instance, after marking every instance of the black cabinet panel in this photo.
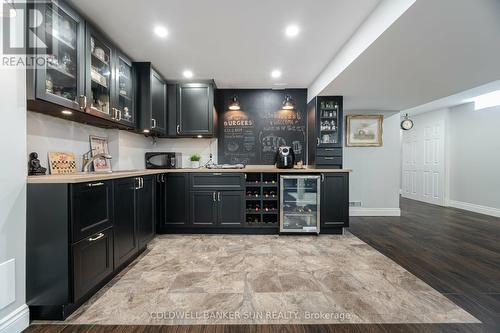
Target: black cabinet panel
(159, 103)
(90, 208)
(203, 207)
(231, 207)
(146, 210)
(335, 200)
(151, 99)
(125, 240)
(177, 199)
(92, 262)
(217, 181)
(195, 108)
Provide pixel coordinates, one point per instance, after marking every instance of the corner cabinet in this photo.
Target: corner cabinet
(151, 92)
(81, 71)
(191, 109)
(325, 132)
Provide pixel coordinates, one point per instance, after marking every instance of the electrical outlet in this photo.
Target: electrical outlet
(355, 204)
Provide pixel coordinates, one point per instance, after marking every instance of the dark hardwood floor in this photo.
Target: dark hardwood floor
(454, 251)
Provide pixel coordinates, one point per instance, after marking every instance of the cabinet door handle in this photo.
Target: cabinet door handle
(137, 184)
(83, 102)
(114, 113)
(328, 158)
(218, 196)
(322, 177)
(178, 129)
(213, 197)
(95, 184)
(119, 112)
(99, 236)
(153, 123)
(141, 182)
(317, 140)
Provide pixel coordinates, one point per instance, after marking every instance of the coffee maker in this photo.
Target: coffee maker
(285, 157)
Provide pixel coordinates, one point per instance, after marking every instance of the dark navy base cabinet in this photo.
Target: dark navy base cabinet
(78, 236)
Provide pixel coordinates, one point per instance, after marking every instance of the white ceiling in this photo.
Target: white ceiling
(437, 48)
(236, 42)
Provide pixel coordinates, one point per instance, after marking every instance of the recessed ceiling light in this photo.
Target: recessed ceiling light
(292, 30)
(187, 74)
(161, 31)
(67, 112)
(276, 73)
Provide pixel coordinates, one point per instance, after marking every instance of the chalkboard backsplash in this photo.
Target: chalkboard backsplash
(253, 134)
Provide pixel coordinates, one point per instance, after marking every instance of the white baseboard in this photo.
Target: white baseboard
(357, 211)
(16, 321)
(473, 208)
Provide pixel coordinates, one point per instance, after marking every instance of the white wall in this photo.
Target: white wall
(375, 180)
(46, 133)
(474, 159)
(13, 311)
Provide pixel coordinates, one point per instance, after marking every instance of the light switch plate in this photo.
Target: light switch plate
(7, 283)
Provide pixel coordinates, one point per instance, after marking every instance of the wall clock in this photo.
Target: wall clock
(407, 123)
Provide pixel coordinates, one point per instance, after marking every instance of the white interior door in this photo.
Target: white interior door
(423, 156)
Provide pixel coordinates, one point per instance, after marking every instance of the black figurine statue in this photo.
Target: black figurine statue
(34, 167)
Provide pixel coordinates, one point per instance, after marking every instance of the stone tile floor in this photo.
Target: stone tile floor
(243, 279)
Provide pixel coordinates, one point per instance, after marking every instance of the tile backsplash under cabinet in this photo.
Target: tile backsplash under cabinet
(47, 133)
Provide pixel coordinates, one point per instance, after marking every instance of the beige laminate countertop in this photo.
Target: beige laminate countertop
(93, 177)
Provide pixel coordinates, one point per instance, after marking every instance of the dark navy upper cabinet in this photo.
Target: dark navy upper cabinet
(191, 109)
(151, 93)
(61, 81)
(85, 78)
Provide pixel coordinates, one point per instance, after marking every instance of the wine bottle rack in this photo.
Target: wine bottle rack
(262, 200)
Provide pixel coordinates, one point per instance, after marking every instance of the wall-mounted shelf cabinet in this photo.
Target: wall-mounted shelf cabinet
(151, 91)
(191, 111)
(325, 132)
(84, 72)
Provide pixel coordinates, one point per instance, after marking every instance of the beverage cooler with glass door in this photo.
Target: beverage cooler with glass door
(300, 203)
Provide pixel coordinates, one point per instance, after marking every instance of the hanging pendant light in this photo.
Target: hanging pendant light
(235, 104)
(288, 103)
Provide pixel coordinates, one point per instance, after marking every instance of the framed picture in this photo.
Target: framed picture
(99, 145)
(364, 131)
(61, 163)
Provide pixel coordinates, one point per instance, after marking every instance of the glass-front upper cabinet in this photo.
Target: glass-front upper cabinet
(99, 67)
(60, 79)
(328, 123)
(124, 96)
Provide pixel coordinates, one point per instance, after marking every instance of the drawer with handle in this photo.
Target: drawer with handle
(331, 152)
(217, 181)
(328, 160)
(92, 262)
(90, 208)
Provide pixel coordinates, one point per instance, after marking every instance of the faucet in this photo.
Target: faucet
(87, 160)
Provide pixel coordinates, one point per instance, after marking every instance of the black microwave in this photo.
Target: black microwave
(162, 160)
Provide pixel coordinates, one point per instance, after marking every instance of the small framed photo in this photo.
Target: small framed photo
(364, 131)
(99, 145)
